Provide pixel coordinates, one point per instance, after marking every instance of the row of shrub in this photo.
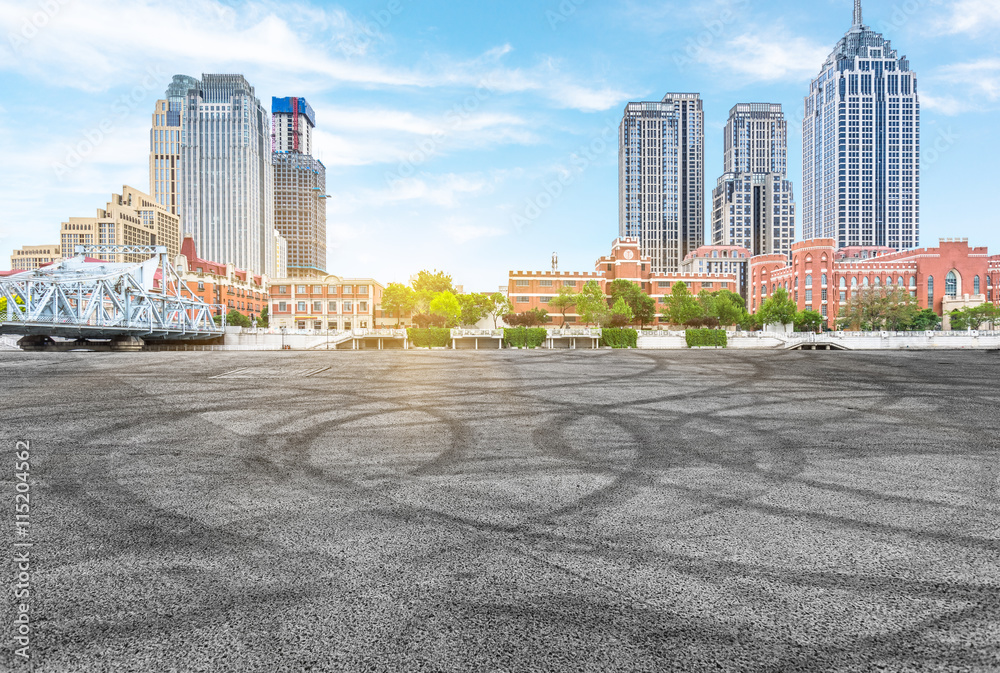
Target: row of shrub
(524, 337)
(618, 337)
(430, 337)
(706, 337)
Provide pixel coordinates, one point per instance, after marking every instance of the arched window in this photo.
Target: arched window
(854, 282)
(823, 279)
(809, 280)
(975, 285)
(901, 282)
(843, 282)
(951, 284)
(913, 281)
(930, 291)
(864, 282)
(877, 282)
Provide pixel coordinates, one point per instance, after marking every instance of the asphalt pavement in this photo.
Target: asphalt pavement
(507, 511)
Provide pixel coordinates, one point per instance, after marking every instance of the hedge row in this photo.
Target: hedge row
(432, 337)
(706, 337)
(524, 337)
(617, 337)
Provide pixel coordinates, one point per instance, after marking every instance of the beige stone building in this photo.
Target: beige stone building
(325, 303)
(129, 218)
(30, 257)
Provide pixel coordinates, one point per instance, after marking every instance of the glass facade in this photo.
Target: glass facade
(753, 204)
(861, 146)
(661, 178)
(227, 184)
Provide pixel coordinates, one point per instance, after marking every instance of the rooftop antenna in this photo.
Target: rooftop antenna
(555, 262)
(857, 13)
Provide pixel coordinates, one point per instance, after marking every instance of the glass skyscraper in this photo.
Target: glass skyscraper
(227, 183)
(661, 178)
(753, 204)
(861, 145)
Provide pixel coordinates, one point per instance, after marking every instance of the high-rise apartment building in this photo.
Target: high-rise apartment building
(861, 145)
(165, 142)
(299, 187)
(227, 182)
(129, 218)
(661, 178)
(753, 204)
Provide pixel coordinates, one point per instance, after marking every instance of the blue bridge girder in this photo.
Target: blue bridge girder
(86, 298)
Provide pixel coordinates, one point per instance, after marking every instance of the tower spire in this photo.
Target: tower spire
(857, 12)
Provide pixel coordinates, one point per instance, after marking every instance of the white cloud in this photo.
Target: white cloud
(768, 55)
(974, 17)
(462, 231)
(277, 42)
(963, 87)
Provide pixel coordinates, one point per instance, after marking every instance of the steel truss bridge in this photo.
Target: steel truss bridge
(87, 298)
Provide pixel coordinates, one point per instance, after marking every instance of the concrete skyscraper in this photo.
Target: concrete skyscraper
(753, 204)
(299, 187)
(227, 181)
(661, 178)
(165, 143)
(861, 145)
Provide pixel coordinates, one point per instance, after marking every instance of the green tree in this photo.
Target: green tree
(264, 318)
(681, 307)
(398, 299)
(924, 320)
(473, 308)
(974, 317)
(809, 321)
(433, 282)
(496, 306)
(878, 308)
(591, 304)
(728, 307)
(644, 312)
(778, 309)
(565, 300)
(621, 313)
(236, 319)
(447, 306)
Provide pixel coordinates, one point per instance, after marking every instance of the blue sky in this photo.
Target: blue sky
(474, 137)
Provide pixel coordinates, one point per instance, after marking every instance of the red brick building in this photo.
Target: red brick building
(534, 289)
(216, 283)
(821, 277)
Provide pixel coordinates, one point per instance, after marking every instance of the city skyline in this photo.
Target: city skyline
(502, 185)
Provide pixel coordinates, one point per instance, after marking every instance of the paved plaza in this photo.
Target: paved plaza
(510, 511)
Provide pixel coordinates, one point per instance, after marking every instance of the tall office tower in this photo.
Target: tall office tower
(299, 187)
(661, 178)
(165, 143)
(227, 181)
(753, 205)
(861, 145)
